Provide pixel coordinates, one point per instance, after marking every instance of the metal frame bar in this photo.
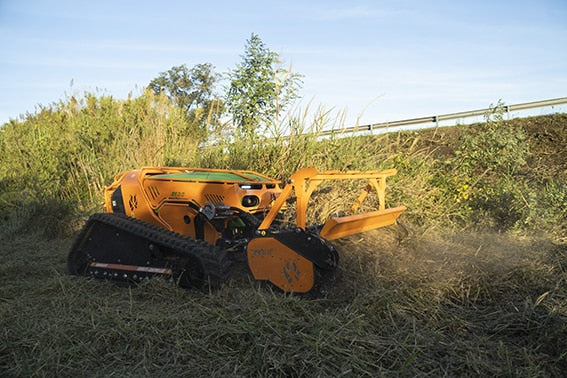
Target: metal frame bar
(306, 180)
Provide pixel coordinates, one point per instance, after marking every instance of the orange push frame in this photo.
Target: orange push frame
(306, 180)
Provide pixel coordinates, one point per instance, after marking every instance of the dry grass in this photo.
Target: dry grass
(422, 305)
(416, 301)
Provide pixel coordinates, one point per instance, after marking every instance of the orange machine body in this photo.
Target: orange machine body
(172, 198)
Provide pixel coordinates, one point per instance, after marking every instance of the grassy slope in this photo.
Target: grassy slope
(430, 302)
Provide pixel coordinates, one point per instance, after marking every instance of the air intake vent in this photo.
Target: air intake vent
(153, 191)
(214, 198)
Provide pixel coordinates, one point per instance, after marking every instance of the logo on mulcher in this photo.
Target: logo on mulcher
(133, 202)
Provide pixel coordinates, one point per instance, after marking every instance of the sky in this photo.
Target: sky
(375, 61)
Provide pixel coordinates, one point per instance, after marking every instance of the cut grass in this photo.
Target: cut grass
(433, 305)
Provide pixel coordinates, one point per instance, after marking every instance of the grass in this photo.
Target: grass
(437, 304)
(472, 282)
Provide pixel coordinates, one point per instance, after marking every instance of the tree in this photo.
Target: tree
(193, 90)
(260, 89)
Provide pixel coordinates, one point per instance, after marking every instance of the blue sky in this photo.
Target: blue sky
(380, 60)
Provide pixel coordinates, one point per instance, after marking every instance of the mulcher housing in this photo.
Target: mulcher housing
(185, 223)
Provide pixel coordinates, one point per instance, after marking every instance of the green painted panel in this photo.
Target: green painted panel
(211, 176)
(254, 177)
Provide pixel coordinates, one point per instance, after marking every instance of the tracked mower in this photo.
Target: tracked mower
(187, 223)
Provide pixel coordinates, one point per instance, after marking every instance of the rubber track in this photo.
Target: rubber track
(215, 262)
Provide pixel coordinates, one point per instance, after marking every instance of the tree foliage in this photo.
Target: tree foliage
(193, 90)
(260, 88)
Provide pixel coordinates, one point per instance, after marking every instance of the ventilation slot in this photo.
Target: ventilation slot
(153, 191)
(214, 198)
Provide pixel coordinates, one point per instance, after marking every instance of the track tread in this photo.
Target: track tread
(214, 262)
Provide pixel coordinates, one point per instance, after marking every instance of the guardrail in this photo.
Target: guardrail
(445, 117)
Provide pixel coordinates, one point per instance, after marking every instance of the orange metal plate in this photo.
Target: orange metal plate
(273, 261)
(336, 228)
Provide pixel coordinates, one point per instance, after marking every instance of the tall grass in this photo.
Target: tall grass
(56, 163)
(67, 153)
